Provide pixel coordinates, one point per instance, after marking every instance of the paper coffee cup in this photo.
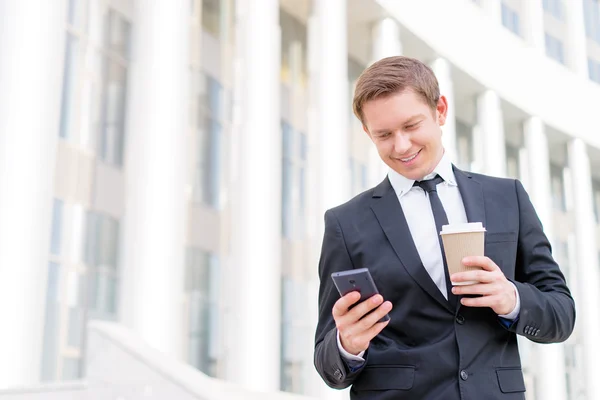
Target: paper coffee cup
(460, 241)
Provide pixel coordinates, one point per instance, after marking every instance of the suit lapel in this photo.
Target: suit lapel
(390, 216)
(472, 196)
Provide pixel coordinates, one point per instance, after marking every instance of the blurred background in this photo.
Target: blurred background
(165, 166)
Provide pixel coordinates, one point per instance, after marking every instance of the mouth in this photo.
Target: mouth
(411, 159)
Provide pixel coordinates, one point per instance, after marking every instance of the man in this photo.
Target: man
(443, 342)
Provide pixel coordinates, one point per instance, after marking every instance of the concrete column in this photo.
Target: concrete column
(533, 25)
(328, 129)
(155, 171)
(254, 360)
(32, 41)
(587, 265)
(443, 71)
(491, 134)
(332, 102)
(551, 381)
(576, 41)
(385, 37)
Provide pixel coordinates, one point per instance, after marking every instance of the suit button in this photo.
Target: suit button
(463, 375)
(338, 374)
(460, 319)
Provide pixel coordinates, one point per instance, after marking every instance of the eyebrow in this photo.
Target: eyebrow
(409, 121)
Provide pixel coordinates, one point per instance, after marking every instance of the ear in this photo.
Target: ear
(366, 130)
(442, 110)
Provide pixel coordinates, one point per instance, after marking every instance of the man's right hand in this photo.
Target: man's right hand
(356, 333)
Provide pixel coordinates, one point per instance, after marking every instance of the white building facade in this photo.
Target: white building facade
(170, 170)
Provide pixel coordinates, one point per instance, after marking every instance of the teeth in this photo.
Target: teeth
(410, 158)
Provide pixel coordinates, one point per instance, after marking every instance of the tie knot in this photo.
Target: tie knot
(429, 184)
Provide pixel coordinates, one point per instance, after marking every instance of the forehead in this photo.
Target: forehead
(394, 109)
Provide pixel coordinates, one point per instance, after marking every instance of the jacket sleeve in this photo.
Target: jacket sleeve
(547, 308)
(327, 358)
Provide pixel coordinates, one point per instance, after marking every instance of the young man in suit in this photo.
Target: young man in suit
(443, 342)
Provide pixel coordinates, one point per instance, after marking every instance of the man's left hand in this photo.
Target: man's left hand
(495, 290)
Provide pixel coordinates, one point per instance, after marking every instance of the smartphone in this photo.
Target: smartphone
(359, 280)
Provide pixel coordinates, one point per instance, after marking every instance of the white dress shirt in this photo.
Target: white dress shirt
(419, 217)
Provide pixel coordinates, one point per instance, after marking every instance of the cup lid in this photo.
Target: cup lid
(462, 228)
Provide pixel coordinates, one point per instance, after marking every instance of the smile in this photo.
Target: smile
(410, 158)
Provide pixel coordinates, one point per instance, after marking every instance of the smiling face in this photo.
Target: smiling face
(406, 132)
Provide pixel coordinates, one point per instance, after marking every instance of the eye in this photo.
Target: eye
(413, 126)
(383, 135)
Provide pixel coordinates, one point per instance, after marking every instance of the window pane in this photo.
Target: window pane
(71, 369)
(51, 323)
(211, 10)
(76, 323)
(286, 198)
(214, 97)
(113, 121)
(557, 183)
(56, 233)
(68, 87)
(101, 255)
(202, 286)
(117, 34)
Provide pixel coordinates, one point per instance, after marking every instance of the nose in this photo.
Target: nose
(402, 143)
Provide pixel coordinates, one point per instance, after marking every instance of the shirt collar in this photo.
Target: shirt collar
(402, 184)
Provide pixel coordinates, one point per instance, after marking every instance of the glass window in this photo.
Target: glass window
(56, 233)
(596, 192)
(51, 323)
(512, 161)
(287, 180)
(554, 8)
(71, 368)
(358, 175)
(293, 49)
(211, 20)
(302, 173)
(101, 255)
(464, 145)
(594, 70)
(558, 188)
(210, 135)
(554, 48)
(114, 88)
(592, 19)
(510, 19)
(202, 283)
(68, 86)
(294, 334)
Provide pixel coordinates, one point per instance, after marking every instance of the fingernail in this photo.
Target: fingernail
(376, 299)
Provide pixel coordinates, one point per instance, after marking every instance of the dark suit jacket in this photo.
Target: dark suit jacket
(430, 350)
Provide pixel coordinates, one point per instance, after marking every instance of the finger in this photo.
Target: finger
(364, 307)
(341, 306)
(375, 329)
(479, 276)
(480, 261)
(485, 301)
(483, 289)
(368, 321)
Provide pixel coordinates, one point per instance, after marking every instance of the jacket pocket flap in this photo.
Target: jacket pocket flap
(510, 380)
(386, 377)
(500, 237)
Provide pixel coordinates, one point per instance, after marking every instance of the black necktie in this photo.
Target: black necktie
(440, 217)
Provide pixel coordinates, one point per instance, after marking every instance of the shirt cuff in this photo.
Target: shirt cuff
(347, 356)
(515, 312)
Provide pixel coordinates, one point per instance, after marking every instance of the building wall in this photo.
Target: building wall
(526, 77)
